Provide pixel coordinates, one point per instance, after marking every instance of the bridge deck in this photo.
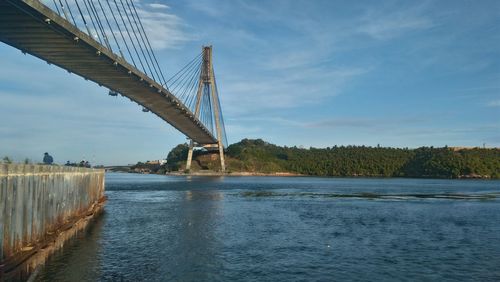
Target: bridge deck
(25, 25)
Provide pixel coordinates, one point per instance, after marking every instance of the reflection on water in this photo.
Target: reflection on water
(79, 259)
(159, 228)
(198, 213)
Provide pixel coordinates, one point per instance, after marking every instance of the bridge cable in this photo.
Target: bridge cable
(189, 95)
(134, 16)
(126, 29)
(194, 91)
(181, 94)
(202, 107)
(187, 91)
(221, 116)
(182, 83)
(83, 18)
(137, 34)
(206, 90)
(211, 112)
(131, 39)
(110, 28)
(120, 31)
(200, 113)
(191, 102)
(205, 105)
(99, 24)
(188, 98)
(57, 8)
(149, 44)
(193, 60)
(93, 23)
(64, 11)
(188, 79)
(180, 78)
(70, 13)
(138, 41)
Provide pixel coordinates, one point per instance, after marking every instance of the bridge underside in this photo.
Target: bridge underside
(35, 29)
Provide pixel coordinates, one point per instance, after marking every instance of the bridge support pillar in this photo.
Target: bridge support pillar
(221, 156)
(190, 156)
(219, 146)
(207, 86)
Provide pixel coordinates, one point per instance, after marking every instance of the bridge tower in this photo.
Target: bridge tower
(207, 86)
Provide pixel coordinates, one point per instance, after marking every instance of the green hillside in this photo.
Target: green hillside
(261, 157)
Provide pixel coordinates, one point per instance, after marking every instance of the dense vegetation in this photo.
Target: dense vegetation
(177, 157)
(143, 168)
(260, 156)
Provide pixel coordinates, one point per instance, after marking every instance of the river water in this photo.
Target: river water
(175, 228)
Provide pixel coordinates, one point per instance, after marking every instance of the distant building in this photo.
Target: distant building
(157, 162)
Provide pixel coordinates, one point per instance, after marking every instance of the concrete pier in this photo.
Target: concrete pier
(40, 206)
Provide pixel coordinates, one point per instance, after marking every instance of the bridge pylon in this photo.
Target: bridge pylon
(207, 86)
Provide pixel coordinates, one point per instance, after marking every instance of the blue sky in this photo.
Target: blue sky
(305, 73)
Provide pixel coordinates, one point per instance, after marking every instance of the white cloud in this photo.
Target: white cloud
(385, 24)
(289, 89)
(165, 30)
(389, 28)
(158, 6)
(495, 103)
(292, 59)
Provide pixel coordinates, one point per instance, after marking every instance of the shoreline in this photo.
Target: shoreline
(291, 174)
(240, 173)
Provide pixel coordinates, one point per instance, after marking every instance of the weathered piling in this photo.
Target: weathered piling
(38, 203)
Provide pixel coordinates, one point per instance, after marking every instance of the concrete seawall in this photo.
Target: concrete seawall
(38, 203)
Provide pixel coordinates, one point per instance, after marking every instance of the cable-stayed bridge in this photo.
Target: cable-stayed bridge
(106, 42)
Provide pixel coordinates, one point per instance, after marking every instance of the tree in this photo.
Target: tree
(256, 155)
(176, 155)
(7, 160)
